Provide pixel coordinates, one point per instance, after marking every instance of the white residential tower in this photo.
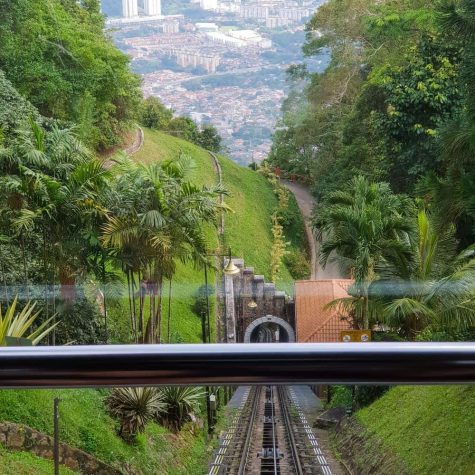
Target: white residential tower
(209, 4)
(130, 8)
(152, 7)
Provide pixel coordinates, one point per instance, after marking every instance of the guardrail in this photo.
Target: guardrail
(232, 364)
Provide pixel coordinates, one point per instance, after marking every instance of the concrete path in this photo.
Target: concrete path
(308, 401)
(236, 399)
(306, 203)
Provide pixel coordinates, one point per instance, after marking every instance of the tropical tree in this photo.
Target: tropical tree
(181, 404)
(52, 186)
(134, 408)
(361, 228)
(437, 289)
(159, 218)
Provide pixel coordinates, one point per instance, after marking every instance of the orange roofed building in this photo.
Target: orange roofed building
(313, 322)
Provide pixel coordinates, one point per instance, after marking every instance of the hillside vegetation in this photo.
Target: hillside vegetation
(247, 226)
(431, 429)
(251, 199)
(85, 424)
(57, 55)
(24, 463)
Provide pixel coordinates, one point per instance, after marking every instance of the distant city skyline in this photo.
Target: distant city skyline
(130, 8)
(220, 62)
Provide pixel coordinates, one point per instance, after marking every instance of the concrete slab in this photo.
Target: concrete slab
(237, 397)
(308, 401)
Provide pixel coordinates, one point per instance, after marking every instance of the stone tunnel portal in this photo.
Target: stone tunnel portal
(269, 329)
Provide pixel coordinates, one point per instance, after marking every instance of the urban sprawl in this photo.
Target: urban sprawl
(219, 62)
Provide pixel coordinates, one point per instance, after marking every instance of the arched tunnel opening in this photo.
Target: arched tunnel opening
(269, 332)
(269, 329)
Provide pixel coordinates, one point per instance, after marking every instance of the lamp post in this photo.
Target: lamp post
(229, 270)
(207, 303)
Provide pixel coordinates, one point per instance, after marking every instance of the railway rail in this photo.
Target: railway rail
(269, 434)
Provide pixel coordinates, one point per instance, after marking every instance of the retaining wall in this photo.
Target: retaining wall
(20, 437)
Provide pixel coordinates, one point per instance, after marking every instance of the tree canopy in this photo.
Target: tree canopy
(58, 56)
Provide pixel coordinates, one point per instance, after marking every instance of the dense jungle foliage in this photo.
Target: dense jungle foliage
(394, 105)
(386, 136)
(59, 58)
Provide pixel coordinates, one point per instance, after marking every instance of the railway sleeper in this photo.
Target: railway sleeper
(268, 454)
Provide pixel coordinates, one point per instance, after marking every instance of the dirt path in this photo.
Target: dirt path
(219, 176)
(306, 203)
(137, 144)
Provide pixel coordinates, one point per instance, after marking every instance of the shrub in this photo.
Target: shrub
(80, 323)
(298, 264)
(181, 403)
(341, 396)
(155, 115)
(360, 396)
(134, 407)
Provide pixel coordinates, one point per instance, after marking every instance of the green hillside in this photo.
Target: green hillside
(85, 424)
(247, 227)
(430, 429)
(24, 463)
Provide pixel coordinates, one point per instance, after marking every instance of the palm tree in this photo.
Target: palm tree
(159, 220)
(438, 289)
(363, 226)
(52, 185)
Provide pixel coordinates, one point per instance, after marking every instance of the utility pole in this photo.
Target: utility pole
(207, 303)
(56, 435)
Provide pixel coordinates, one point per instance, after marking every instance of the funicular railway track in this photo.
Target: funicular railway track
(269, 435)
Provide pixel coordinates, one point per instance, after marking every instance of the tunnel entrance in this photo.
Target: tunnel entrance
(269, 329)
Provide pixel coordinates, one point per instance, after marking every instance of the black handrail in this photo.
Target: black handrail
(346, 363)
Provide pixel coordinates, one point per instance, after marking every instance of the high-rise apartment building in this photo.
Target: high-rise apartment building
(152, 7)
(130, 8)
(209, 4)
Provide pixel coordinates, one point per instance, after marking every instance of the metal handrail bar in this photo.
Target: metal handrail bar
(233, 364)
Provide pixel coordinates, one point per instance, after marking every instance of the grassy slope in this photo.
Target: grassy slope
(84, 424)
(432, 429)
(248, 227)
(24, 463)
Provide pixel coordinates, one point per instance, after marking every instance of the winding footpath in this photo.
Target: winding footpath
(306, 204)
(137, 144)
(219, 176)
